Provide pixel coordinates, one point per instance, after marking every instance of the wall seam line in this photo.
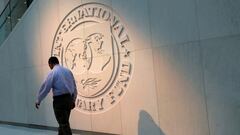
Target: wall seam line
(202, 67)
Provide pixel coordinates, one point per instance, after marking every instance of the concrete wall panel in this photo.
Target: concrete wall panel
(135, 15)
(221, 69)
(17, 51)
(5, 56)
(218, 18)
(100, 122)
(48, 24)
(173, 21)
(141, 94)
(19, 96)
(31, 32)
(181, 98)
(6, 101)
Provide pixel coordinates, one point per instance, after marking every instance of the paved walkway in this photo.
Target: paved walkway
(15, 130)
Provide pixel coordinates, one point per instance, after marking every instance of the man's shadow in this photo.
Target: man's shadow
(147, 126)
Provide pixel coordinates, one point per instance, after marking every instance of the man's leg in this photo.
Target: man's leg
(62, 115)
(66, 126)
(59, 117)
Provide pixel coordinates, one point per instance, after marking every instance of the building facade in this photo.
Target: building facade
(143, 67)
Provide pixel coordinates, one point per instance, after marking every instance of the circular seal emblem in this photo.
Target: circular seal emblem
(92, 41)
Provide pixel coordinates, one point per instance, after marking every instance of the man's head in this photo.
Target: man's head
(52, 62)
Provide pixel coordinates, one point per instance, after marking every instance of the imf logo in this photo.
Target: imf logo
(93, 43)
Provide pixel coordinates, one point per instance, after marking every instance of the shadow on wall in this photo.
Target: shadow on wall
(147, 126)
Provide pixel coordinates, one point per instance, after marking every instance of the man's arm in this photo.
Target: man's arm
(45, 88)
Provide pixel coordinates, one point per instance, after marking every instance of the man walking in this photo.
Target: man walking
(63, 86)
